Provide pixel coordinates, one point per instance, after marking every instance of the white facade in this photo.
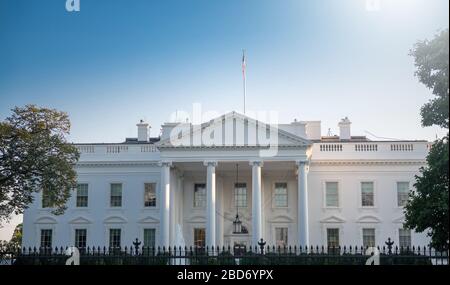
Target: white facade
(327, 180)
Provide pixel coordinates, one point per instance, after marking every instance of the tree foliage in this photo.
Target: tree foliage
(34, 155)
(431, 61)
(427, 208)
(16, 239)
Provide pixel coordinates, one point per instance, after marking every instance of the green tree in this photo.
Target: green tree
(427, 208)
(16, 239)
(34, 155)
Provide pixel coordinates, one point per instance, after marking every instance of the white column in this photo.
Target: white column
(256, 202)
(219, 218)
(303, 227)
(210, 202)
(165, 204)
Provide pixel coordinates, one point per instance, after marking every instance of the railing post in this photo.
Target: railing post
(136, 244)
(389, 244)
(261, 244)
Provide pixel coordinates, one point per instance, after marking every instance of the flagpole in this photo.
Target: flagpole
(244, 65)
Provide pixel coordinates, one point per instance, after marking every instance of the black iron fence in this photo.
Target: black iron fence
(259, 255)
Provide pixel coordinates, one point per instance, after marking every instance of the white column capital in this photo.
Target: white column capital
(165, 163)
(213, 163)
(302, 162)
(259, 163)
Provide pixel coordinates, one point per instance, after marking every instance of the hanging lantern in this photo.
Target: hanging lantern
(237, 225)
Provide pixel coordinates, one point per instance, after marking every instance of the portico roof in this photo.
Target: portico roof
(193, 136)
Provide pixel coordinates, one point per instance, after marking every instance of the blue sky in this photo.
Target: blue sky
(117, 61)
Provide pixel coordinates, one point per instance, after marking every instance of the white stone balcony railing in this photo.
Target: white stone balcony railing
(120, 152)
(371, 150)
(410, 150)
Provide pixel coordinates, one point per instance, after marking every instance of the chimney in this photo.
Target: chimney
(166, 130)
(344, 129)
(313, 130)
(299, 128)
(143, 129)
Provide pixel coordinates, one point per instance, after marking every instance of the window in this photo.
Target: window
(367, 194)
(80, 238)
(116, 195)
(331, 194)
(46, 199)
(240, 194)
(149, 238)
(114, 238)
(281, 195)
(199, 195)
(150, 195)
(199, 237)
(333, 238)
(46, 238)
(82, 195)
(281, 237)
(368, 237)
(404, 238)
(402, 193)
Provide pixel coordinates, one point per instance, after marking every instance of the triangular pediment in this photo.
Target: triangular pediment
(196, 219)
(115, 220)
(368, 219)
(333, 219)
(148, 220)
(231, 130)
(281, 219)
(46, 220)
(80, 220)
(399, 220)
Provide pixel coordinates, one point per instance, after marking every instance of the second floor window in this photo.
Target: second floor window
(46, 199)
(150, 195)
(331, 194)
(82, 195)
(281, 195)
(116, 195)
(367, 194)
(402, 193)
(240, 194)
(199, 195)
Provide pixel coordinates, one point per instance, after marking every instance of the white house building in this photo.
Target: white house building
(288, 185)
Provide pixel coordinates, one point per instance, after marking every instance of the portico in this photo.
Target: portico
(209, 169)
(258, 210)
(209, 160)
